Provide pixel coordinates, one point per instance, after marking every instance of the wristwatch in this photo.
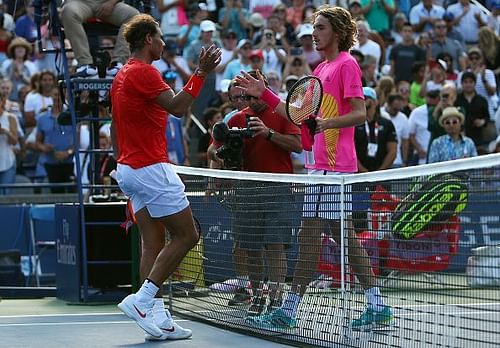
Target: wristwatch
(270, 134)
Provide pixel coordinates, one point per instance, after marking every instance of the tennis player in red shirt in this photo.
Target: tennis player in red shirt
(141, 101)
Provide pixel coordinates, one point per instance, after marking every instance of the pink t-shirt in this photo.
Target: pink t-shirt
(334, 149)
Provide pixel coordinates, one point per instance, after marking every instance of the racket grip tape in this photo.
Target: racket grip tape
(311, 124)
(270, 98)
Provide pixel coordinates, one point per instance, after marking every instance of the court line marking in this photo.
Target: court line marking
(66, 315)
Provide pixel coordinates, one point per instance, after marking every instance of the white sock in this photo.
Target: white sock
(147, 291)
(159, 313)
(375, 299)
(291, 304)
(242, 281)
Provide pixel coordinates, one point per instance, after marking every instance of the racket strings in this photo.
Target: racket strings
(304, 100)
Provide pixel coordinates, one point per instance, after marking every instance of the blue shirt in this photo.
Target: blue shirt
(234, 23)
(25, 27)
(61, 137)
(234, 68)
(443, 148)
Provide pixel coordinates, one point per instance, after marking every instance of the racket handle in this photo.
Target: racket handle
(270, 98)
(311, 124)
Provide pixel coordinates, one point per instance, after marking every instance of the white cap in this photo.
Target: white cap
(256, 20)
(443, 64)
(202, 6)
(207, 25)
(224, 85)
(243, 42)
(305, 29)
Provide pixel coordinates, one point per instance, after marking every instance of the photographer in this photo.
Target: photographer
(267, 143)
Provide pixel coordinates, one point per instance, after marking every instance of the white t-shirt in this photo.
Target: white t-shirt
(7, 156)
(225, 58)
(373, 49)
(468, 25)
(402, 126)
(271, 61)
(35, 102)
(419, 121)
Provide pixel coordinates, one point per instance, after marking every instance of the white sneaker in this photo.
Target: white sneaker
(170, 330)
(142, 313)
(86, 71)
(113, 69)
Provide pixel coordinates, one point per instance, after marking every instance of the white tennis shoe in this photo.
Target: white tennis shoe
(170, 330)
(142, 313)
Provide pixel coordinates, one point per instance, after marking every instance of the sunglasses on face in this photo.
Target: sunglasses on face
(450, 122)
(445, 96)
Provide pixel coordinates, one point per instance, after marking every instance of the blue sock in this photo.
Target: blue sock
(291, 304)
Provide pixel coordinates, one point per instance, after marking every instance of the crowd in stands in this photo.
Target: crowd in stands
(428, 63)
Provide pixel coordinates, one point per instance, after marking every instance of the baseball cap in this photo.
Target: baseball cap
(257, 53)
(305, 29)
(354, 2)
(242, 43)
(207, 25)
(448, 16)
(291, 78)
(369, 92)
(256, 20)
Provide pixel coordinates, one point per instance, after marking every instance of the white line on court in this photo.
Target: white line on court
(65, 315)
(69, 323)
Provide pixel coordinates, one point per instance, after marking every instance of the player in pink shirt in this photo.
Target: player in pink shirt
(334, 153)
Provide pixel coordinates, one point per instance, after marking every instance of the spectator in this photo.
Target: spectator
(5, 38)
(7, 20)
(369, 70)
(276, 85)
(360, 57)
(424, 41)
(8, 139)
(436, 76)
(424, 14)
(486, 85)
(173, 16)
(235, 66)
(447, 98)
(25, 25)
(294, 14)
(41, 100)
(170, 62)
(453, 145)
(402, 126)
(451, 74)
(211, 116)
(367, 46)
(257, 60)
(398, 23)
(234, 17)
(468, 18)
(419, 72)
(475, 108)
(11, 107)
(106, 163)
(385, 87)
(442, 43)
(489, 44)
(378, 13)
(18, 68)
(75, 12)
(256, 22)
(191, 32)
(55, 144)
(284, 33)
(192, 54)
(403, 89)
(451, 30)
(355, 10)
(376, 140)
(494, 17)
(313, 57)
(419, 133)
(296, 65)
(274, 57)
(404, 55)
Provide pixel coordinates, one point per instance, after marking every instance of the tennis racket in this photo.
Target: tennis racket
(304, 101)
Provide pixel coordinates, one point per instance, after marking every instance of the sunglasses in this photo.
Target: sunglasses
(440, 26)
(445, 96)
(404, 90)
(450, 122)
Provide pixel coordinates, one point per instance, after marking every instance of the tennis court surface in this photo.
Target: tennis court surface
(52, 323)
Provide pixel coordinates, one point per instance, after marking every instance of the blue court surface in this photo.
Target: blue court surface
(52, 323)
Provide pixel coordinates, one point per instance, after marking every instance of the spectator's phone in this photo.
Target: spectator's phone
(296, 51)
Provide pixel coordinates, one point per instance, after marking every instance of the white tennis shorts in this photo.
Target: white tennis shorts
(156, 187)
(323, 201)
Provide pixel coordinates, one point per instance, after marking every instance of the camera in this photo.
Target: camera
(232, 139)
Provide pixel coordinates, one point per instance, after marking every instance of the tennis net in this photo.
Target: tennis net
(430, 234)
